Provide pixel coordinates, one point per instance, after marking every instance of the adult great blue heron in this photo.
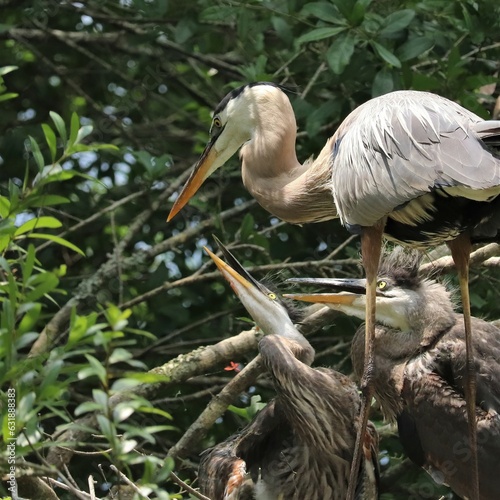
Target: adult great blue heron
(300, 446)
(419, 356)
(412, 165)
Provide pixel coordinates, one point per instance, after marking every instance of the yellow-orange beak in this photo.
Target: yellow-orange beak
(229, 273)
(200, 172)
(324, 298)
(265, 307)
(346, 291)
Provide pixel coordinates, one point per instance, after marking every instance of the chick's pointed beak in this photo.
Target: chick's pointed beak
(233, 277)
(200, 172)
(346, 290)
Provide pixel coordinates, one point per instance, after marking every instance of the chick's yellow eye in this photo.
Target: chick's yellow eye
(217, 122)
(272, 296)
(381, 285)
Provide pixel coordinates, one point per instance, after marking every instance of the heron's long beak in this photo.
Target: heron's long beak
(346, 291)
(240, 280)
(232, 275)
(200, 172)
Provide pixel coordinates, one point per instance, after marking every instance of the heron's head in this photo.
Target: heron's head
(233, 124)
(267, 309)
(405, 300)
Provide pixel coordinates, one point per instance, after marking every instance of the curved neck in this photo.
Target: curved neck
(272, 174)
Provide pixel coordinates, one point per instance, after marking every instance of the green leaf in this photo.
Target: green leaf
(87, 407)
(74, 128)
(4, 207)
(358, 12)
(95, 368)
(100, 397)
(386, 55)
(29, 263)
(48, 200)
(414, 48)
(353, 11)
(107, 428)
(319, 34)
(38, 223)
(322, 10)
(397, 21)
(7, 69)
(124, 384)
(50, 137)
(340, 52)
(8, 95)
(25, 406)
(242, 412)
(247, 227)
(155, 411)
(48, 283)
(58, 240)
(29, 320)
(60, 126)
(35, 151)
(217, 13)
(119, 355)
(383, 82)
(83, 132)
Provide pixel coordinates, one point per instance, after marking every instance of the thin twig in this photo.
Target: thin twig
(91, 484)
(126, 480)
(176, 479)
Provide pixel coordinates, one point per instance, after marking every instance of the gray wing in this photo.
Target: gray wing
(405, 144)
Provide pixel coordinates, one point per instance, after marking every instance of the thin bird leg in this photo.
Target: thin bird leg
(460, 251)
(371, 246)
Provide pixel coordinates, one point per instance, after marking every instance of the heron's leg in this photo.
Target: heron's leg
(460, 251)
(371, 245)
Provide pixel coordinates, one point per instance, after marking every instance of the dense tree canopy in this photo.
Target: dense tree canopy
(105, 106)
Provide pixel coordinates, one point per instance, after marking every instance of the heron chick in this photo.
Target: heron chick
(419, 355)
(300, 446)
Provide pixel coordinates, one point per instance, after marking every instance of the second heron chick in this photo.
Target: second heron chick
(300, 446)
(420, 364)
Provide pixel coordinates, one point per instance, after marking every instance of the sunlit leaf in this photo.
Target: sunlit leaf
(8, 95)
(60, 126)
(57, 239)
(4, 207)
(38, 223)
(7, 69)
(83, 132)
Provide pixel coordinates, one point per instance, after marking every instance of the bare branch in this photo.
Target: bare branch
(176, 479)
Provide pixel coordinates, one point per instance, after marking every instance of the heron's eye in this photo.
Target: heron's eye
(272, 296)
(382, 285)
(217, 122)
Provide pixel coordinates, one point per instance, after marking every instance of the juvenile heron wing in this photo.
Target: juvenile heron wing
(433, 426)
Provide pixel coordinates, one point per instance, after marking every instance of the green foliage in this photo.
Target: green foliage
(250, 411)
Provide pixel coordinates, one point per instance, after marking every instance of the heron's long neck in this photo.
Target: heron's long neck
(271, 172)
